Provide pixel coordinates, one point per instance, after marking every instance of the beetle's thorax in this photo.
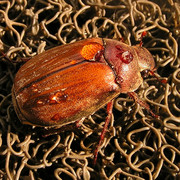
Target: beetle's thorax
(124, 61)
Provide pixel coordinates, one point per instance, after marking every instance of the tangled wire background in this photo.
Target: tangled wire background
(136, 146)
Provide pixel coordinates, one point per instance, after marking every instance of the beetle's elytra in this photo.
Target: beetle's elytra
(70, 82)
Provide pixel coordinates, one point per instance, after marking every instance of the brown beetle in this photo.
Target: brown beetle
(70, 82)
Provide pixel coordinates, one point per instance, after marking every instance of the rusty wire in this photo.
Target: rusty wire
(136, 146)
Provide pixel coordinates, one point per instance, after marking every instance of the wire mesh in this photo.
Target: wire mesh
(136, 146)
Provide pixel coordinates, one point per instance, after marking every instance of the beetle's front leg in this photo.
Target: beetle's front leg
(108, 118)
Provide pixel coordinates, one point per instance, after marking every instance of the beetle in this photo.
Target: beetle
(69, 82)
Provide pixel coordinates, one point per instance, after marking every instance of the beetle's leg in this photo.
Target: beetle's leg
(163, 81)
(79, 122)
(8, 59)
(144, 33)
(109, 112)
(4, 55)
(142, 103)
(68, 127)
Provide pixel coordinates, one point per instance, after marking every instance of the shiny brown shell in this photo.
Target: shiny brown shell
(70, 82)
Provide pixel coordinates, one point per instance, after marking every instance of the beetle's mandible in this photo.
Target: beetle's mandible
(67, 83)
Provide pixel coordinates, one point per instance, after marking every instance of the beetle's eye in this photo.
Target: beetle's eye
(145, 73)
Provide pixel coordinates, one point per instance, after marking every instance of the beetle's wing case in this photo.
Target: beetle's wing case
(50, 61)
(55, 97)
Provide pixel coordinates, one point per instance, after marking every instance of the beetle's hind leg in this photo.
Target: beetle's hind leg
(108, 118)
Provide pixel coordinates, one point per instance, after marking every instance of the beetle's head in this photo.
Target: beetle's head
(145, 60)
